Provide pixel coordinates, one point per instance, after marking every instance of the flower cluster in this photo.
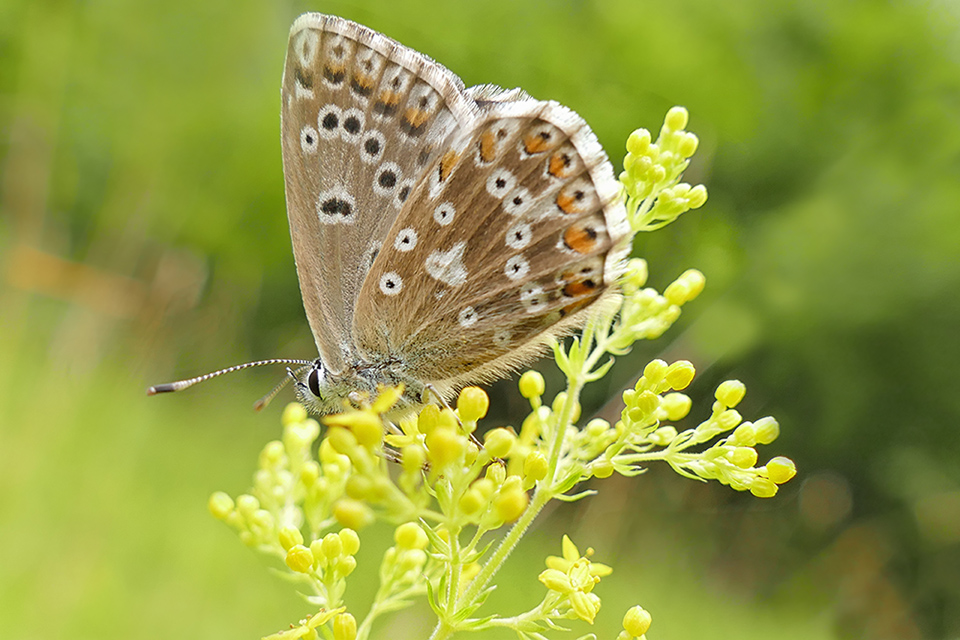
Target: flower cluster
(652, 170)
(460, 503)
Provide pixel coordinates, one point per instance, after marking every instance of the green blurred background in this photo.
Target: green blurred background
(143, 238)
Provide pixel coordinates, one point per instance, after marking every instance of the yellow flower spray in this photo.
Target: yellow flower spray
(447, 495)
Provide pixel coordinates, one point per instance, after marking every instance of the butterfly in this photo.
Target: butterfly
(442, 235)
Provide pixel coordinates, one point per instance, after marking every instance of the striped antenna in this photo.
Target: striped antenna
(183, 384)
(291, 375)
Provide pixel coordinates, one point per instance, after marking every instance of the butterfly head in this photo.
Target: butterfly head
(313, 388)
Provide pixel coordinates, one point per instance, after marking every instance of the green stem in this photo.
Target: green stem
(574, 386)
(509, 542)
(453, 577)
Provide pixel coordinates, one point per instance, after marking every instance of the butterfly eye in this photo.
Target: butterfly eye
(314, 378)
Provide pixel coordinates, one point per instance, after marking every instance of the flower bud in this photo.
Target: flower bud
(247, 505)
(555, 580)
(729, 419)
(496, 473)
(762, 488)
(602, 468)
(638, 142)
(428, 419)
(346, 565)
(271, 455)
(293, 413)
(472, 404)
(653, 372)
(350, 541)
(675, 120)
(353, 514)
(767, 430)
(535, 466)
(472, 501)
(663, 436)
(511, 503)
(220, 505)
(679, 375)
(744, 457)
(289, 537)
(531, 384)
(499, 442)
(413, 457)
(409, 535)
(688, 146)
(444, 446)
(332, 545)
(344, 627)
(730, 393)
(299, 558)
(342, 440)
(676, 405)
(781, 469)
(637, 621)
(745, 435)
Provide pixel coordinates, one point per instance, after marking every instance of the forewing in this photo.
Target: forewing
(362, 119)
(516, 230)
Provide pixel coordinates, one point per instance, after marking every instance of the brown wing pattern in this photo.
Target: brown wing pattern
(516, 228)
(362, 118)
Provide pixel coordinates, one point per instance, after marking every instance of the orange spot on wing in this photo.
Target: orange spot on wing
(447, 163)
(389, 97)
(573, 307)
(416, 117)
(536, 143)
(334, 72)
(559, 164)
(582, 239)
(363, 83)
(488, 146)
(582, 288)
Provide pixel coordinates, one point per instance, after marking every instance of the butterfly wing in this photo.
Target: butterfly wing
(515, 231)
(362, 118)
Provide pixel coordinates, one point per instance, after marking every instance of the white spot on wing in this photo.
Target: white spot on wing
(391, 284)
(468, 317)
(444, 214)
(533, 298)
(336, 206)
(309, 139)
(371, 149)
(517, 201)
(500, 183)
(447, 266)
(305, 44)
(329, 120)
(517, 267)
(519, 236)
(386, 178)
(352, 125)
(406, 240)
(403, 192)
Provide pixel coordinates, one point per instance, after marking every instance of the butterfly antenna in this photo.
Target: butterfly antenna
(293, 375)
(179, 385)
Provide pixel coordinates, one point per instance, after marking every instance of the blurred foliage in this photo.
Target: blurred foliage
(143, 236)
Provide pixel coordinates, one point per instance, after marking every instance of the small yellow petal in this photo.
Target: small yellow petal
(570, 551)
(555, 581)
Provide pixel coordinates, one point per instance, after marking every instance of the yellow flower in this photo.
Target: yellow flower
(575, 577)
(307, 627)
(571, 554)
